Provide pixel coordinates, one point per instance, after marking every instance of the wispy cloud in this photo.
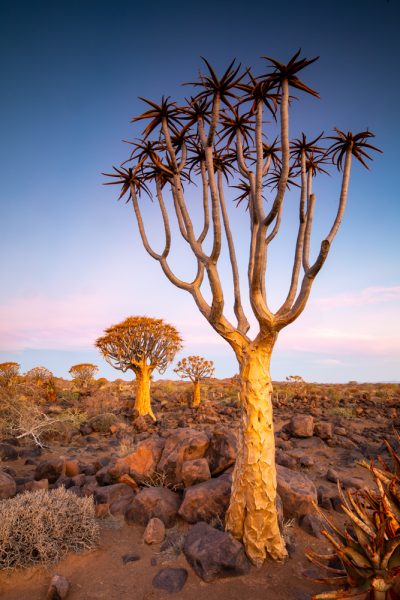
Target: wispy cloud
(368, 296)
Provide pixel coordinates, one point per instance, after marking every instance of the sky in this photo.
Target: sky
(72, 262)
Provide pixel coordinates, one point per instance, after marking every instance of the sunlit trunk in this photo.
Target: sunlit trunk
(252, 515)
(196, 393)
(142, 401)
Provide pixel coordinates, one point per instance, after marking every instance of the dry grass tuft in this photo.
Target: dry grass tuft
(41, 527)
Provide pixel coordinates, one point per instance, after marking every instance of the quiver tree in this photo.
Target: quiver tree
(8, 372)
(140, 344)
(218, 140)
(39, 375)
(196, 369)
(83, 373)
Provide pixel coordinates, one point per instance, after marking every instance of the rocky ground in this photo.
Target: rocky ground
(161, 490)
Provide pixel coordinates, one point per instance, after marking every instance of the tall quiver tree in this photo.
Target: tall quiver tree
(218, 136)
(196, 369)
(140, 344)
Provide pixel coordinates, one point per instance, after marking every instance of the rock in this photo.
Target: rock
(153, 502)
(297, 492)
(332, 475)
(72, 468)
(195, 471)
(184, 444)
(8, 486)
(324, 430)
(302, 426)
(8, 452)
(212, 553)
(31, 486)
(50, 469)
(127, 479)
(312, 525)
(307, 462)
(111, 473)
(206, 501)
(170, 580)
(324, 498)
(127, 558)
(59, 588)
(113, 493)
(102, 511)
(142, 462)
(340, 431)
(154, 532)
(142, 423)
(285, 460)
(222, 450)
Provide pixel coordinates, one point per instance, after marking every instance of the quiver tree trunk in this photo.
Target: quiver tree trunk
(252, 515)
(196, 394)
(142, 400)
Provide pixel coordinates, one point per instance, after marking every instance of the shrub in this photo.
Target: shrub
(102, 423)
(42, 527)
(9, 371)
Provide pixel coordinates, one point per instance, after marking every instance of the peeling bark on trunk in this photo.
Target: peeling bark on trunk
(252, 515)
(142, 400)
(196, 393)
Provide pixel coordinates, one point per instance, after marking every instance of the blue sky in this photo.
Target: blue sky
(72, 261)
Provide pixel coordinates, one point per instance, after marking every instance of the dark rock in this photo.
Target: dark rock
(212, 553)
(285, 460)
(113, 493)
(153, 502)
(50, 469)
(8, 487)
(307, 462)
(222, 450)
(127, 558)
(324, 498)
(170, 580)
(8, 452)
(332, 475)
(297, 492)
(206, 501)
(324, 430)
(312, 525)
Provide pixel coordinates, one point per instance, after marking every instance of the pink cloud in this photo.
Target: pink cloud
(368, 296)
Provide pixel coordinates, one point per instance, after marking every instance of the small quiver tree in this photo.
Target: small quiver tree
(196, 369)
(9, 371)
(220, 139)
(83, 374)
(140, 344)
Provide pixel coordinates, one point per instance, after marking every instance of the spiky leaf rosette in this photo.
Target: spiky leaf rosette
(138, 342)
(195, 368)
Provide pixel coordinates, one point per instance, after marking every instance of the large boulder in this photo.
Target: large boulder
(302, 426)
(50, 469)
(195, 471)
(222, 450)
(324, 430)
(142, 462)
(297, 492)
(206, 501)
(184, 444)
(113, 493)
(8, 452)
(212, 553)
(8, 486)
(152, 502)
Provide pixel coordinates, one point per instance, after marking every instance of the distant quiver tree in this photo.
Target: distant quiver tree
(214, 141)
(83, 373)
(140, 344)
(196, 369)
(39, 375)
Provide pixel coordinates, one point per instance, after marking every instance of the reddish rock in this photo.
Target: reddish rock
(142, 462)
(50, 469)
(102, 511)
(72, 468)
(111, 473)
(195, 471)
(297, 492)
(184, 444)
(324, 430)
(59, 588)
(154, 532)
(222, 450)
(206, 501)
(8, 486)
(302, 426)
(31, 486)
(212, 553)
(153, 502)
